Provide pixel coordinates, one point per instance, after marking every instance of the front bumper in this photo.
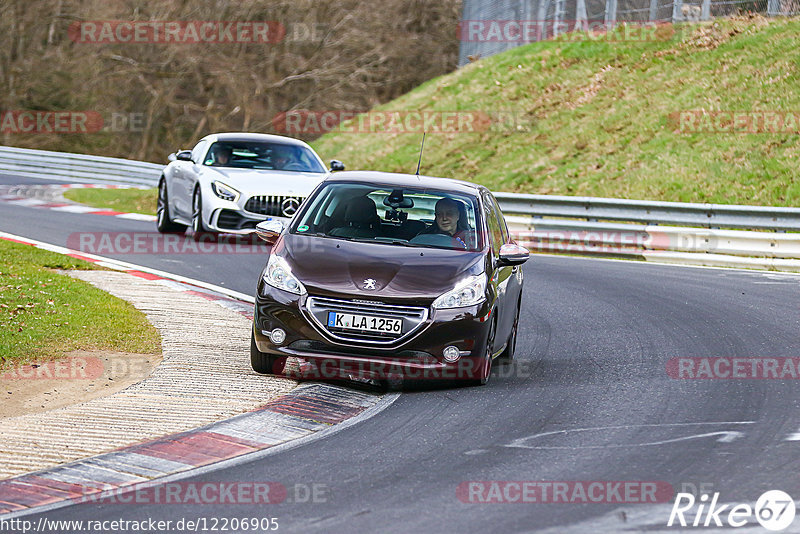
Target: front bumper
(242, 215)
(418, 356)
(237, 221)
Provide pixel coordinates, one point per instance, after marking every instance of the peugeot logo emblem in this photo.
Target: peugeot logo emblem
(289, 206)
(369, 283)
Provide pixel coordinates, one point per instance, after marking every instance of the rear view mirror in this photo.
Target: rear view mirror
(513, 254)
(269, 231)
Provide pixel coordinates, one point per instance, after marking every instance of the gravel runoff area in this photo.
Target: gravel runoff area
(205, 376)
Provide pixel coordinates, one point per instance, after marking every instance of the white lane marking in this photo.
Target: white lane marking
(28, 202)
(137, 217)
(75, 209)
(726, 436)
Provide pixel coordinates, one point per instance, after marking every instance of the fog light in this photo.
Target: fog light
(277, 336)
(451, 354)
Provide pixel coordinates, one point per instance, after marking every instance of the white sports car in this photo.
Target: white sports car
(229, 182)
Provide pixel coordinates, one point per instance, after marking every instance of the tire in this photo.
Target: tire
(265, 364)
(164, 224)
(485, 371)
(507, 355)
(198, 228)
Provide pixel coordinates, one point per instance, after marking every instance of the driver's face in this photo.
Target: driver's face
(222, 158)
(447, 218)
(280, 161)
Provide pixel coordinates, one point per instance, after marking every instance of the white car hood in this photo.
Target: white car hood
(251, 182)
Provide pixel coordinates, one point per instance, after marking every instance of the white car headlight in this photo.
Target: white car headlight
(225, 192)
(468, 293)
(279, 275)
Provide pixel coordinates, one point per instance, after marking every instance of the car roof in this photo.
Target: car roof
(393, 179)
(245, 136)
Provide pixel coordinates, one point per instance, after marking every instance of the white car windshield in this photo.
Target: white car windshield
(260, 155)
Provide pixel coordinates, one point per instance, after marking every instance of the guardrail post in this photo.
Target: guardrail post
(541, 14)
(677, 8)
(611, 14)
(581, 17)
(653, 10)
(705, 13)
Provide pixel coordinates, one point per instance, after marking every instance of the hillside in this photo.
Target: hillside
(147, 97)
(603, 118)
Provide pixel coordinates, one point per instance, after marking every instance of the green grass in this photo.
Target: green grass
(124, 200)
(44, 314)
(592, 118)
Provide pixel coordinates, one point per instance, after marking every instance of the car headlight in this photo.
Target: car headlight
(469, 292)
(225, 192)
(279, 275)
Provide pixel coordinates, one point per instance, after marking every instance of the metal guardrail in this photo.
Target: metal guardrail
(561, 224)
(652, 212)
(68, 167)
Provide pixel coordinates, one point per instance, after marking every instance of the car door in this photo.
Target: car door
(185, 177)
(514, 283)
(501, 276)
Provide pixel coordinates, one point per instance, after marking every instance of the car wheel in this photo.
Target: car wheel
(163, 222)
(484, 371)
(265, 364)
(508, 354)
(197, 215)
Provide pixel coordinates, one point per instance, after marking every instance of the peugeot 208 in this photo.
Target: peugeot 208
(385, 276)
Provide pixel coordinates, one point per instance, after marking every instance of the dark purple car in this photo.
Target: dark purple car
(383, 277)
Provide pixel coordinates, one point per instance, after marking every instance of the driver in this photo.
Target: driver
(222, 154)
(282, 157)
(451, 221)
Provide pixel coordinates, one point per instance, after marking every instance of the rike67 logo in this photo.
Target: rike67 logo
(774, 510)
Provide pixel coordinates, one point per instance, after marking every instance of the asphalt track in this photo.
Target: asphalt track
(589, 399)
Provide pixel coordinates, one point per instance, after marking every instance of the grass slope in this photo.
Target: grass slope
(594, 118)
(44, 314)
(124, 200)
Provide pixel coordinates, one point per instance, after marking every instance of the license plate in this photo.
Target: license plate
(368, 323)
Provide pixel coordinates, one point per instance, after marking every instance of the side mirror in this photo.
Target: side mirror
(269, 231)
(336, 165)
(184, 155)
(513, 254)
(172, 157)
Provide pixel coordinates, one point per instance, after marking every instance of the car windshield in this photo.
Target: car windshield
(261, 155)
(404, 216)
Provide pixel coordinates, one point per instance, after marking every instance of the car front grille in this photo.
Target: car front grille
(413, 318)
(274, 205)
